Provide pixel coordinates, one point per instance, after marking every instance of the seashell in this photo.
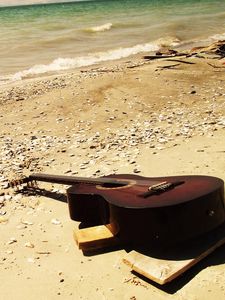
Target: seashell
(27, 222)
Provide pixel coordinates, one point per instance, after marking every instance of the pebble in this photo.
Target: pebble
(3, 219)
(27, 222)
(21, 226)
(55, 222)
(8, 197)
(31, 260)
(2, 199)
(12, 240)
(29, 245)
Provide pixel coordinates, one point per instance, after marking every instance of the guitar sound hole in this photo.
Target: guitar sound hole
(112, 185)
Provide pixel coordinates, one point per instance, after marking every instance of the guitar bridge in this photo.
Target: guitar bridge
(160, 187)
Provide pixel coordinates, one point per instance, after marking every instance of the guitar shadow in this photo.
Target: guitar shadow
(43, 192)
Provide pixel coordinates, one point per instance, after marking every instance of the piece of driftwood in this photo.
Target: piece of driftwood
(216, 67)
(163, 268)
(168, 66)
(151, 57)
(217, 48)
(181, 61)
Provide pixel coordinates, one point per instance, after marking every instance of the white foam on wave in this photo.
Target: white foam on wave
(61, 64)
(218, 37)
(100, 28)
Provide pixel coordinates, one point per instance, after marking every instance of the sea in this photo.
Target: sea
(45, 37)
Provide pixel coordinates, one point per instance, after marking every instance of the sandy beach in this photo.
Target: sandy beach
(147, 117)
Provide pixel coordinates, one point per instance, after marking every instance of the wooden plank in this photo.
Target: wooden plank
(96, 237)
(164, 270)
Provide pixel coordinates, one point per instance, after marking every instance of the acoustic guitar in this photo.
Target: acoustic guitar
(142, 210)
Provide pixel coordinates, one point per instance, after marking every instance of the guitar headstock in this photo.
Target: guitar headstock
(21, 182)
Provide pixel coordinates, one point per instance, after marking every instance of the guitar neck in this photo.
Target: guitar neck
(70, 180)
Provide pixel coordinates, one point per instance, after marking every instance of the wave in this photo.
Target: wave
(32, 2)
(217, 37)
(100, 28)
(61, 64)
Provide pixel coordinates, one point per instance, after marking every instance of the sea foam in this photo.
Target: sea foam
(61, 64)
(100, 28)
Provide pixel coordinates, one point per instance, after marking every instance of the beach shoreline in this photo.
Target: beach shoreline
(152, 118)
(95, 32)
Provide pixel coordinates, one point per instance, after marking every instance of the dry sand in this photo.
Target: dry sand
(122, 117)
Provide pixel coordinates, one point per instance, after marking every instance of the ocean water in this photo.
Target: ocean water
(43, 38)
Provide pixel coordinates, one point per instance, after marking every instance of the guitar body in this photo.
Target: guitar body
(190, 209)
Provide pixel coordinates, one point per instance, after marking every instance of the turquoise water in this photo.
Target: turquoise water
(37, 39)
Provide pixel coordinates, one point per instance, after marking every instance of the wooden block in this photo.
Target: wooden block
(93, 238)
(165, 270)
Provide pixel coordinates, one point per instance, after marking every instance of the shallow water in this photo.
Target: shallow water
(36, 39)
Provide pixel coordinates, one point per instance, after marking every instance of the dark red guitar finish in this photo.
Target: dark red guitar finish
(140, 210)
(192, 208)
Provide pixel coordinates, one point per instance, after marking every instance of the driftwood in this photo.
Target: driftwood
(217, 48)
(168, 66)
(181, 61)
(99, 70)
(159, 56)
(216, 67)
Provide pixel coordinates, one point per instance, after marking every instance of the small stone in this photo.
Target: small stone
(5, 185)
(8, 197)
(3, 219)
(55, 222)
(133, 162)
(17, 197)
(21, 226)
(29, 245)
(27, 222)
(12, 240)
(43, 252)
(9, 252)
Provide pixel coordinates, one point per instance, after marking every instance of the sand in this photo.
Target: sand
(131, 116)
